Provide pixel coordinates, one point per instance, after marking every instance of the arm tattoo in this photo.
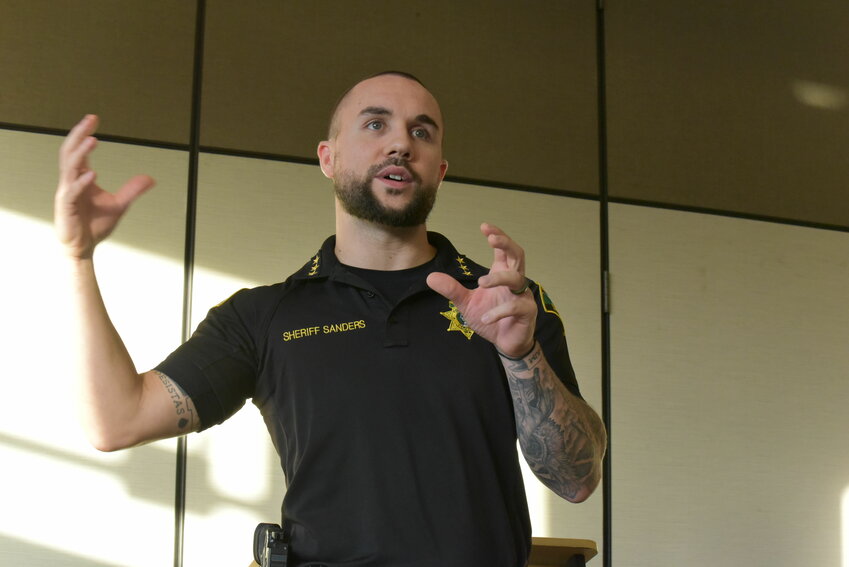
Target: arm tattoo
(562, 438)
(184, 410)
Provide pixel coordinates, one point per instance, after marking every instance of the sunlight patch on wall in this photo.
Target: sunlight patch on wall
(538, 500)
(59, 494)
(820, 95)
(240, 483)
(211, 288)
(139, 291)
(241, 458)
(81, 507)
(844, 522)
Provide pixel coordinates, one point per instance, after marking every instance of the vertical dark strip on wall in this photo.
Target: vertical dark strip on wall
(189, 265)
(604, 273)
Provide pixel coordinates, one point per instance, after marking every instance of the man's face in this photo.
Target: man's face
(385, 156)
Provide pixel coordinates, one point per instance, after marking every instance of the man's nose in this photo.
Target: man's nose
(399, 146)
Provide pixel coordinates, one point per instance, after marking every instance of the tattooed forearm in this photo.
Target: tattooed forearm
(562, 438)
(184, 410)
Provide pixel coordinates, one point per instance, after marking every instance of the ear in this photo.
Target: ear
(443, 167)
(325, 158)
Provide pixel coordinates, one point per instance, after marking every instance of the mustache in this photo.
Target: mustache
(397, 162)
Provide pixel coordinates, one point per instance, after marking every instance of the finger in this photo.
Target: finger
(509, 278)
(507, 309)
(505, 249)
(80, 184)
(447, 287)
(488, 229)
(76, 161)
(492, 234)
(506, 244)
(83, 129)
(133, 189)
(68, 196)
(69, 192)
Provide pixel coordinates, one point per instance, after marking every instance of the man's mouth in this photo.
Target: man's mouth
(395, 176)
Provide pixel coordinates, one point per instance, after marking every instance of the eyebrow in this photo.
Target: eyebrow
(383, 111)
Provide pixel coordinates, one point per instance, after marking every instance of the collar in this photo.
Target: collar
(324, 263)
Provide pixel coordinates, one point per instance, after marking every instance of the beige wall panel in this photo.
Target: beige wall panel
(729, 391)
(733, 106)
(51, 475)
(258, 221)
(130, 62)
(517, 85)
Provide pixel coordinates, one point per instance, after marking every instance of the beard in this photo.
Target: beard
(358, 199)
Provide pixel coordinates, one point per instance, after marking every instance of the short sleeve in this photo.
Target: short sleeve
(552, 337)
(217, 366)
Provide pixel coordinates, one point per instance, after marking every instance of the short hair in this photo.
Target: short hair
(332, 127)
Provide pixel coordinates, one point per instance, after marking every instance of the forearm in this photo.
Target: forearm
(109, 387)
(562, 438)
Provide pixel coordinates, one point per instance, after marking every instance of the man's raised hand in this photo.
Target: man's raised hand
(84, 213)
(494, 310)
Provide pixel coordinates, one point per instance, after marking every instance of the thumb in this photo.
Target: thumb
(133, 189)
(447, 287)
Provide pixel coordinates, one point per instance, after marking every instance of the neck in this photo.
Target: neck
(364, 244)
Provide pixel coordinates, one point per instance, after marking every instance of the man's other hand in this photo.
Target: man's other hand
(84, 213)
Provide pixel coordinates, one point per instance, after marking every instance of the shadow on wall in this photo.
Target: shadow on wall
(135, 474)
(24, 552)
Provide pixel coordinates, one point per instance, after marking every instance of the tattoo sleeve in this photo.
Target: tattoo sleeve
(184, 409)
(562, 438)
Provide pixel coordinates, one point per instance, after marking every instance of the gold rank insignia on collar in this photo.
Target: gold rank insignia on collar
(457, 322)
(461, 262)
(315, 264)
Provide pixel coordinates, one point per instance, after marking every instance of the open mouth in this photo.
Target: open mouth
(395, 175)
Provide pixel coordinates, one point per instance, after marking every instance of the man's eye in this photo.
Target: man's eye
(421, 133)
(374, 125)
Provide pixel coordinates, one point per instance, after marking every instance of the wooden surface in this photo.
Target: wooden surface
(551, 551)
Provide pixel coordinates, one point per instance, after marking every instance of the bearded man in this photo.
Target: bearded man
(394, 373)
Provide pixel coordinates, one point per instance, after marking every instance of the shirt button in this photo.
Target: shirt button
(369, 294)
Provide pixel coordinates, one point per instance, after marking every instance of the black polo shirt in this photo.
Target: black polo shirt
(394, 423)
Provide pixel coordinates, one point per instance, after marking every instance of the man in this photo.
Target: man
(394, 373)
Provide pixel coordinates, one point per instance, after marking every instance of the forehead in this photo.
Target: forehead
(400, 96)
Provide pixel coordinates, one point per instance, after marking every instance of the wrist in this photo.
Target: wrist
(78, 271)
(78, 263)
(517, 358)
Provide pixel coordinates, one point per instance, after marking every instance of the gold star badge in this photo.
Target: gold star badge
(457, 322)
